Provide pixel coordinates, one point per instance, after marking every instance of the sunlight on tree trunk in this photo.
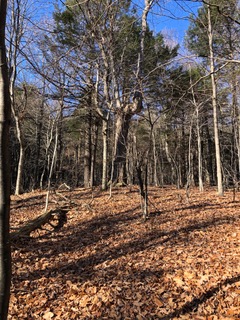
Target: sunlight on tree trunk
(215, 107)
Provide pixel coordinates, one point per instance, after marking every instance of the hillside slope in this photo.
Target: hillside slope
(106, 263)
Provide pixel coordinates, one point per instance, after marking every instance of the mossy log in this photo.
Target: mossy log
(40, 221)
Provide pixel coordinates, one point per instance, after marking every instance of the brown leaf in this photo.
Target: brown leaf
(48, 315)
(158, 302)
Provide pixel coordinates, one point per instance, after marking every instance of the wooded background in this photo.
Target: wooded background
(98, 97)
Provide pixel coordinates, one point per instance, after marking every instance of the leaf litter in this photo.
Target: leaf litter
(106, 263)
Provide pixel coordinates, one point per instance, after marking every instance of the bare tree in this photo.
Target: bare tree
(214, 103)
(17, 13)
(5, 108)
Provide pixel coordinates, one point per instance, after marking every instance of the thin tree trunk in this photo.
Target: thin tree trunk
(76, 165)
(94, 152)
(48, 144)
(104, 115)
(38, 144)
(130, 161)
(19, 180)
(60, 144)
(190, 162)
(105, 151)
(87, 151)
(15, 38)
(210, 176)
(155, 177)
(238, 145)
(51, 167)
(199, 146)
(236, 136)
(182, 154)
(215, 107)
(18, 187)
(199, 143)
(20, 136)
(171, 162)
(5, 117)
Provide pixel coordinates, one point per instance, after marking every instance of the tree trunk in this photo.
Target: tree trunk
(49, 139)
(209, 160)
(59, 174)
(87, 151)
(199, 144)
(171, 162)
(93, 152)
(155, 176)
(182, 154)
(19, 180)
(199, 141)
(215, 107)
(15, 38)
(119, 162)
(38, 145)
(5, 117)
(235, 120)
(105, 151)
(20, 137)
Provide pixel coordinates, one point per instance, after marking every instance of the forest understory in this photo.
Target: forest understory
(106, 263)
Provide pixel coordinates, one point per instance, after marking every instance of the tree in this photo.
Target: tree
(5, 109)
(205, 40)
(214, 102)
(16, 27)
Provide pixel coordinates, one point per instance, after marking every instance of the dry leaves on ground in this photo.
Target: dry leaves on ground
(106, 263)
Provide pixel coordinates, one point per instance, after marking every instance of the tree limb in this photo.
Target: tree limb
(40, 221)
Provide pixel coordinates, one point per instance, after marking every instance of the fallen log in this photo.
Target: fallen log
(59, 214)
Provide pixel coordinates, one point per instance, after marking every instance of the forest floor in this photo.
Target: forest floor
(106, 263)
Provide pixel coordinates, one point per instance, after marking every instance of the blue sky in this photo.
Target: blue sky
(167, 16)
(171, 17)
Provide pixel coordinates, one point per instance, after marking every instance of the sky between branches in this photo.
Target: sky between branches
(167, 16)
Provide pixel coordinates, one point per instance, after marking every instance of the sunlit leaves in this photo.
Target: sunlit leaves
(105, 263)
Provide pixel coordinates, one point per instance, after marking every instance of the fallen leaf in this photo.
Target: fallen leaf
(48, 315)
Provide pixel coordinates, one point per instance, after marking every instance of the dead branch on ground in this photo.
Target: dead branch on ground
(40, 221)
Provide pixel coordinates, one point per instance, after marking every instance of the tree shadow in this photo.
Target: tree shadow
(29, 202)
(193, 305)
(93, 233)
(198, 207)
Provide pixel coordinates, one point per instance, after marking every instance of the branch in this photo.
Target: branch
(38, 223)
(221, 12)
